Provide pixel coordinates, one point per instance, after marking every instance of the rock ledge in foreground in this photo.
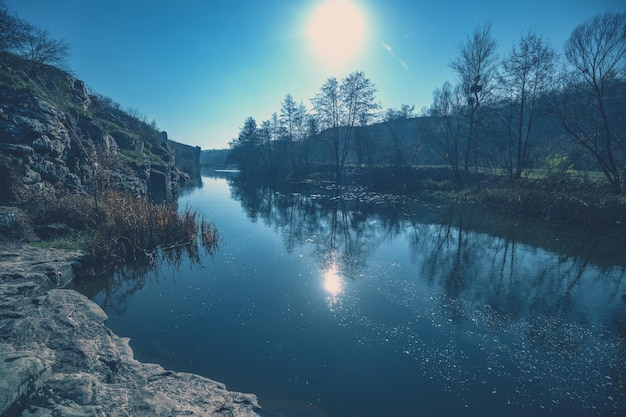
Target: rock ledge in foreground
(57, 358)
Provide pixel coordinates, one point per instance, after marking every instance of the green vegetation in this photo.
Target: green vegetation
(72, 242)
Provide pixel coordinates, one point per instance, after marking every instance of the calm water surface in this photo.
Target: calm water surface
(376, 305)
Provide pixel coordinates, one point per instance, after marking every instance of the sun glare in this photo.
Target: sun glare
(332, 280)
(337, 31)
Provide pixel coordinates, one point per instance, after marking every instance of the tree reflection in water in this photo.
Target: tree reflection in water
(451, 294)
(537, 300)
(116, 287)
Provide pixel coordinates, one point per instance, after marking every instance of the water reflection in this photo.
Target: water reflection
(332, 280)
(113, 290)
(534, 313)
(320, 295)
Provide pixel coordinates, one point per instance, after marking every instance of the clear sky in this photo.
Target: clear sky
(201, 67)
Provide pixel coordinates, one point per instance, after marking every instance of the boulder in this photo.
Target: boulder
(80, 92)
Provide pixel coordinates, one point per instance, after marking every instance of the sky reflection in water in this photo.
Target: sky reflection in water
(376, 305)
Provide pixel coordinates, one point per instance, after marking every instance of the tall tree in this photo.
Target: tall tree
(404, 112)
(245, 149)
(270, 133)
(327, 105)
(288, 121)
(341, 107)
(592, 106)
(301, 132)
(278, 162)
(476, 69)
(359, 97)
(447, 126)
(405, 145)
(527, 71)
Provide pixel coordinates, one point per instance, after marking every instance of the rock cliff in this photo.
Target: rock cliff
(54, 133)
(57, 357)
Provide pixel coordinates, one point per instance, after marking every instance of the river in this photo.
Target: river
(365, 304)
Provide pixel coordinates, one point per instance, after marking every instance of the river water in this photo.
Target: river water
(365, 304)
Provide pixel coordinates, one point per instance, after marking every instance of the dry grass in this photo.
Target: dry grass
(133, 229)
(559, 201)
(122, 229)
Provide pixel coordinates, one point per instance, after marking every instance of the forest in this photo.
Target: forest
(533, 115)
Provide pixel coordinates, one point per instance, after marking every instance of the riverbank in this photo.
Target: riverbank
(582, 201)
(579, 199)
(57, 357)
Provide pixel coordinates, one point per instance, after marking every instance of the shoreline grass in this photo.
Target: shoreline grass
(122, 228)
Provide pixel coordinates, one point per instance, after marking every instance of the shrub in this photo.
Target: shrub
(59, 206)
(558, 166)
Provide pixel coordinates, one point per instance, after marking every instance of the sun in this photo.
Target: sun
(336, 31)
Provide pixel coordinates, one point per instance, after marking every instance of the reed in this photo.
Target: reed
(132, 229)
(121, 228)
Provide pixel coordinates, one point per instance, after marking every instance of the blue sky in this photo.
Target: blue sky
(200, 68)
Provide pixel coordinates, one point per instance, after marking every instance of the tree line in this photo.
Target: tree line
(531, 108)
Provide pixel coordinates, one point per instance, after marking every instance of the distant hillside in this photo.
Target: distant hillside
(215, 158)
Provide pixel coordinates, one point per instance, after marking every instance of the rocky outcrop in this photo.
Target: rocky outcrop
(187, 157)
(57, 357)
(53, 133)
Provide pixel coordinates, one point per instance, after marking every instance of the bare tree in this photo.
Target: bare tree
(405, 144)
(476, 68)
(32, 43)
(341, 107)
(301, 133)
(12, 30)
(404, 112)
(592, 105)
(327, 104)
(288, 111)
(447, 125)
(40, 48)
(527, 72)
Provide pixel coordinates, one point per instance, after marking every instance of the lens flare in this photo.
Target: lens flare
(337, 31)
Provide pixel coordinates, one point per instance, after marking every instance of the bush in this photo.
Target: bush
(558, 166)
(59, 206)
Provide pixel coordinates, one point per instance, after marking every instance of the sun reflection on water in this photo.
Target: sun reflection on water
(332, 280)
